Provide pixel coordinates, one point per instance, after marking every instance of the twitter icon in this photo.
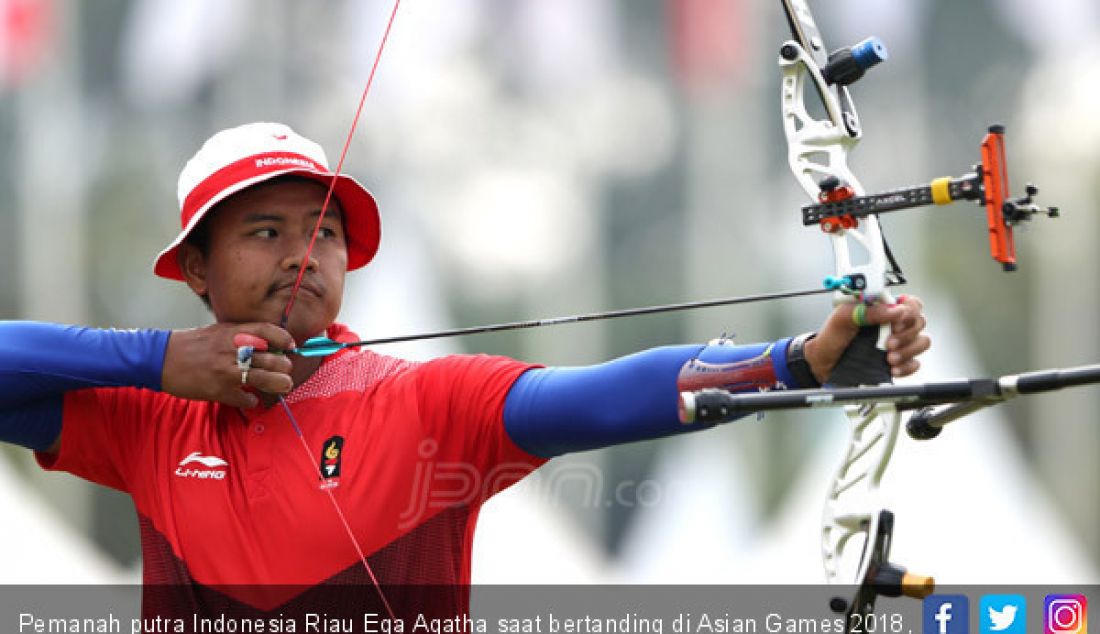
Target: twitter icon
(1003, 614)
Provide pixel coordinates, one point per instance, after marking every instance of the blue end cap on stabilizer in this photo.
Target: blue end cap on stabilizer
(870, 52)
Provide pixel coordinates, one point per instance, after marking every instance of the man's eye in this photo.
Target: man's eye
(328, 233)
(265, 233)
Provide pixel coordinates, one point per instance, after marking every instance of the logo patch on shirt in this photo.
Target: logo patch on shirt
(331, 457)
(201, 467)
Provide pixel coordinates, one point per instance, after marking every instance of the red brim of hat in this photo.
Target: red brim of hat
(362, 224)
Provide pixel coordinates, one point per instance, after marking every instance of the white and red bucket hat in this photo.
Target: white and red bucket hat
(240, 157)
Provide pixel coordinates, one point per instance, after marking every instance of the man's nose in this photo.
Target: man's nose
(298, 255)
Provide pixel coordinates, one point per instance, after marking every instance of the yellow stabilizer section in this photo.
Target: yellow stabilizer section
(941, 190)
(917, 586)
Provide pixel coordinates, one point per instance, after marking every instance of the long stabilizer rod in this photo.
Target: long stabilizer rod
(956, 398)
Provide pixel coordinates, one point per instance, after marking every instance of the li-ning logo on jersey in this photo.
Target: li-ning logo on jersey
(331, 457)
(202, 467)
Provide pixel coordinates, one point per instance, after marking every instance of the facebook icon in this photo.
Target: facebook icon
(947, 614)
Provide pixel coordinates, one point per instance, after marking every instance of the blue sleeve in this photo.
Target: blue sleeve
(35, 425)
(39, 362)
(552, 411)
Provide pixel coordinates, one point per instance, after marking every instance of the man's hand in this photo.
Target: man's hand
(907, 338)
(201, 364)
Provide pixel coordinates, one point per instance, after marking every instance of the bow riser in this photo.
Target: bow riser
(818, 149)
(853, 543)
(854, 500)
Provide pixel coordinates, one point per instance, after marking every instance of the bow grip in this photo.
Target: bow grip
(863, 361)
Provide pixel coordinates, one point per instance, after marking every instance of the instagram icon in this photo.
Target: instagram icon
(1065, 614)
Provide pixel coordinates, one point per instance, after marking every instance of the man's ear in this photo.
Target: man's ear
(192, 263)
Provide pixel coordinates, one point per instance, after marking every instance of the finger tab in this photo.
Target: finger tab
(245, 339)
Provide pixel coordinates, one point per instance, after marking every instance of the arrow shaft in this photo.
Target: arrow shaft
(576, 319)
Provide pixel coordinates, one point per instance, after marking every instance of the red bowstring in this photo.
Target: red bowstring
(298, 283)
(339, 168)
(339, 512)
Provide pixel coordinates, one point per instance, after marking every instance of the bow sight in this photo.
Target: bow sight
(839, 208)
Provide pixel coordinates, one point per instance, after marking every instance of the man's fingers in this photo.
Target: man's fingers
(278, 338)
(901, 338)
(270, 382)
(267, 372)
(917, 346)
(907, 340)
(905, 320)
(244, 339)
(272, 362)
(209, 363)
(911, 301)
(893, 314)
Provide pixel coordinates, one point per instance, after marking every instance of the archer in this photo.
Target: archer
(225, 437)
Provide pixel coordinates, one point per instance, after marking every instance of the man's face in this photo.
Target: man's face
(257, 241)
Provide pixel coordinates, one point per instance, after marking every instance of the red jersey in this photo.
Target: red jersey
(227, 497)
